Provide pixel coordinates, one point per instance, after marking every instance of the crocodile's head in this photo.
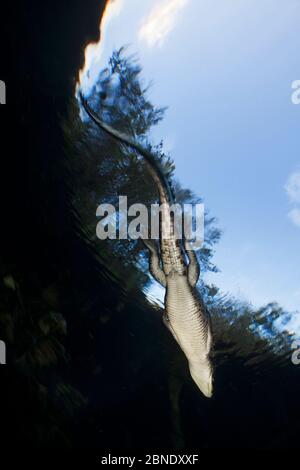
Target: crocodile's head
(202, 375)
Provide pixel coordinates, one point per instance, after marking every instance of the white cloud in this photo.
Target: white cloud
(93, 51)
(292, 187)
(294, 215)
(160, 22)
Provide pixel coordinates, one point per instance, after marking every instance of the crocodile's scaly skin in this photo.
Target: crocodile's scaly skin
(185, 315)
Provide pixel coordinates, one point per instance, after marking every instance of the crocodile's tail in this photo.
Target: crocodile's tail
(171, 249)
(164, 187)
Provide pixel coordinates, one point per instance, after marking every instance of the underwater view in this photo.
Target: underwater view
(150, 261)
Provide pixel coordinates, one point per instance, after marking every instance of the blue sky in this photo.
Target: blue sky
(225, 69)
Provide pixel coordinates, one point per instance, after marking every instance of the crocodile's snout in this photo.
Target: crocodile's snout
(203, 378)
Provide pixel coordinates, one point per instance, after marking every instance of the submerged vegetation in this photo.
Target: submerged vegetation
(91, 364)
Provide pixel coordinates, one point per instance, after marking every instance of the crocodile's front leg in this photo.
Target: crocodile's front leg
(193, 270)
(154, 262)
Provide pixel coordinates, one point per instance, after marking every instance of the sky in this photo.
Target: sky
(228, 71)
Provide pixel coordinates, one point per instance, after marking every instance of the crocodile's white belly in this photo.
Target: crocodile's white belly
(190, 326)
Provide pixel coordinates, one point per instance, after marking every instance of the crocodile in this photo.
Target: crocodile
(175, 267)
